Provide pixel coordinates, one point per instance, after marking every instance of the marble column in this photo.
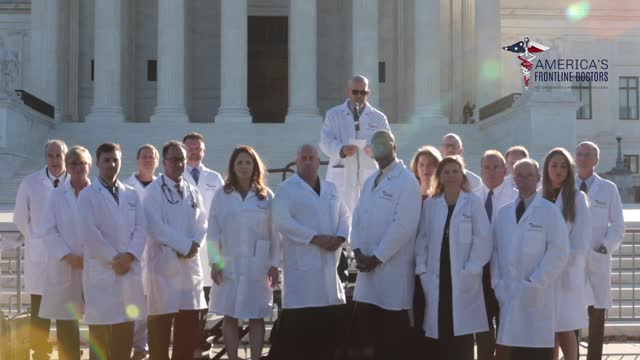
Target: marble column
(43, 69)
(488, 48)
(108, 50)
(302, 61)
(364, 43)
(427, 99)
(233, 67)
(171, 62)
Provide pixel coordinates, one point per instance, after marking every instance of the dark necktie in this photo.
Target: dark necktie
(520, 210)
(377, 181)
(488, 204)
(179, 191)
(583, 187)
(56, 183)
(195, 174)
(114, 192)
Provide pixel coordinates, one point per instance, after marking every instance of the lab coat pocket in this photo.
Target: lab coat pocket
(305, 255)
(60, 273)
(470, 283)
(530, 295)
(260, 262)
(574, 275)
(534, 242)
(168, 261)
(598, 263)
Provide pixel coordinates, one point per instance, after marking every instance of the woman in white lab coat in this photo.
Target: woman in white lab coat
(452, 248)
(244, 250)
(558, 186)
(62, 298)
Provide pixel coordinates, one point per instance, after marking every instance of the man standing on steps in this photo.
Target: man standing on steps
(607, 235)
(345, 138)
(452, 145)
(28, 217)
(207, 182)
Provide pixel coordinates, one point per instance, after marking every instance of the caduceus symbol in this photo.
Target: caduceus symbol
(525, 50)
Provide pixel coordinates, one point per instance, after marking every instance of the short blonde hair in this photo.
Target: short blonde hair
(77, 152)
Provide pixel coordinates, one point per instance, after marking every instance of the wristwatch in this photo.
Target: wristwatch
(602, 250)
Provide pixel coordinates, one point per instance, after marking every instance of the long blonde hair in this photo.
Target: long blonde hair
(438, 188)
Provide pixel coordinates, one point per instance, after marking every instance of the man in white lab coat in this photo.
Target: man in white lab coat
(607, 234)
(513, 155)
(147, 159)
(29, 216)
(452, 145)
(531, 248)
(114, 235)
(177, 227)
(345, 138)
(314, 224)
(383, 236)
(494, 193)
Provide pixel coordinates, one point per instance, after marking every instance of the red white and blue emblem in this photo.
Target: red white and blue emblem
(525, 50)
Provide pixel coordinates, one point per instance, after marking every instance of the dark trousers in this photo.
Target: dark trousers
(452, 348)
(379, 334)
(111, 342)
(596, 333)
(526, 353)
(312, 333)
(487, 340)
(186, 335)
(420, 344)
(68, 333)
(39, 330)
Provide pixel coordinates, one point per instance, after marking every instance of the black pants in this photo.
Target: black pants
(379, 334)
(111, 342)
(526, 353)
(68, 334)
(420, 347)
(312, 333)
(186, 335)
(596, 333)
(487, 340)
(451, 348)
(39, 330)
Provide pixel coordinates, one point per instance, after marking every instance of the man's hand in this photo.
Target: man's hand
(327, 242)
(216, 274)
(348, 150)
(366, 263)
(122, 263)
(273, 275)
(75, 261)
(192, 252)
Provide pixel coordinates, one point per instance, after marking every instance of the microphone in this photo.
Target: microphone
(356, 116)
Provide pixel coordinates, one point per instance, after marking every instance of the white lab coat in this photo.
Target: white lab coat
(242, 235)
(174, 283)
(62, 298)
(475, 181)
(29, 215)
(109, 228)
(310, 277)
(503, 194)
(209, 182)
(528, 257)
(385, 224)
(571, 309)
(608, 230)
(338, 130)
(470, 247)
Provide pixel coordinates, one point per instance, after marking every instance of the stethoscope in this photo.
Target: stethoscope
(168, 194)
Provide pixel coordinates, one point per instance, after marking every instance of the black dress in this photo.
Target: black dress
(451, 347)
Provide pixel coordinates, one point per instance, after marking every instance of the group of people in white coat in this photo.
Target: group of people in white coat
(516, 259)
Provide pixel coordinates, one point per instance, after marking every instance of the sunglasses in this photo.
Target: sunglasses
(357, 92)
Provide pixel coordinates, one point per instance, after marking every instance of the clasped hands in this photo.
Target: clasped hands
(365, 263)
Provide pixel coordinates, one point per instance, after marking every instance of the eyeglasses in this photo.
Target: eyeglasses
(356, 92)
(78, 163)
(177, 160)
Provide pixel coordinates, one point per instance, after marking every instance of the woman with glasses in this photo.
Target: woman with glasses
(62, 299)
(558, 186)
(243, 251)
(452, 248)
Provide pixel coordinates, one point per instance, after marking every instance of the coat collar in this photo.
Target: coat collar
(388, 176)
(461, 202)
(347, 110)
(300, 181)
(537, 200)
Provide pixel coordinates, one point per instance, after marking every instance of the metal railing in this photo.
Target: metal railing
(625, 278)
(12, 241)
(288, 169)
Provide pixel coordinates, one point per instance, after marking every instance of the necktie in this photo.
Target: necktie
(488, 204)
(179, 191)
(520, 210)
(375, 183)
(114, 192)
(195, 174)
(583, 187)
(56, 183)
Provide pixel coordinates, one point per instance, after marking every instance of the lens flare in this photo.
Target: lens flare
(491, 70)
(133, 312)
(578, 10)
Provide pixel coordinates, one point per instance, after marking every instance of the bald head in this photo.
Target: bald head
(451, 145)
(526, 176)
(308, 162)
